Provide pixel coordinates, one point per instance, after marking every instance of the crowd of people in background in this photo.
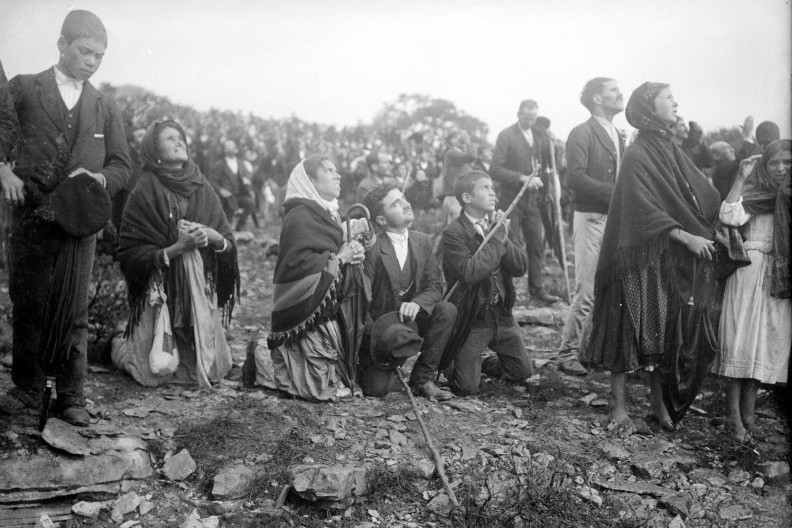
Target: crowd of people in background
(647, 216)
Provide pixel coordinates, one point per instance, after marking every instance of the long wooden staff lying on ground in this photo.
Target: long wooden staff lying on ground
(500, 222)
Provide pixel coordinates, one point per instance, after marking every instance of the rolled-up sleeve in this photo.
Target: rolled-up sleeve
(733, 214)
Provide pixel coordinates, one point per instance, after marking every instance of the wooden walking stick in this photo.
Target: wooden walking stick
(503, 218)
(435, 454)
(559, 223)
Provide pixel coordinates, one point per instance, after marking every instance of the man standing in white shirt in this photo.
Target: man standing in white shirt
(594, 151)
(405, 277)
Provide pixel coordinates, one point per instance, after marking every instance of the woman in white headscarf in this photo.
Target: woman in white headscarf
(306, 335)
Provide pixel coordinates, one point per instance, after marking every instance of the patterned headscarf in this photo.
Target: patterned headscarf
(640, 110)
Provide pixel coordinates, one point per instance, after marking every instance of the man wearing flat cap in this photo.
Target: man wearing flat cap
(405, 278)
(67, 128)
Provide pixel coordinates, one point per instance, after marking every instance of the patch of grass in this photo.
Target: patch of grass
(551, 387)
(535, 500)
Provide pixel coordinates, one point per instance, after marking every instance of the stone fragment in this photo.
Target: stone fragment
(590, 494)
(642, 488)
(734, 512)
(193, 521)
(129, 524)
(536, 316)
(440, 504)
(775, 469)
(179, 466)
(614, 452)
(698, 489)
(233, 483)
(424, 467)
(676, 522)
(397, 438)
(332, 484)
(210, 522)
(65, 437)
(145, 507)
(127, 503)
(88, 509)
(44, 522)
(677, 506)
(757, 483)
(588, 398)
(739, 475)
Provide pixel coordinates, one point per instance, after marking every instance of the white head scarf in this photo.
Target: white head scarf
(301, 186)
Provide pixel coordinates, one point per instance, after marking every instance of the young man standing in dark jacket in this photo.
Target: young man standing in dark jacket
(594, 149)
(67, 128)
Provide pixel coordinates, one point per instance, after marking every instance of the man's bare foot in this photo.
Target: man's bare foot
(623, 422)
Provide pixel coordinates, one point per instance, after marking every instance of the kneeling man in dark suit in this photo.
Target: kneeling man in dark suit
(405, 277)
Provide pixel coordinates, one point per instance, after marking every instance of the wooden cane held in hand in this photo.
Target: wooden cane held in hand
(500, 222)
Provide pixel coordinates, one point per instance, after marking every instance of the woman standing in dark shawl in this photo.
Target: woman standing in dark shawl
(755, 334)
(659, 230)
(177, 255)
(307, 330)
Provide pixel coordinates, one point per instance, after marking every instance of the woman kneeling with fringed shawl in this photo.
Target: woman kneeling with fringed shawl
(658, 233)
(307, 330)
(177, 255)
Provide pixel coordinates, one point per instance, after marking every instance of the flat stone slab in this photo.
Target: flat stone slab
(233, 483)
(641, 488)
(41, 477)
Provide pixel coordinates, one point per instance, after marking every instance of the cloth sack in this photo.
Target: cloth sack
(164, 356)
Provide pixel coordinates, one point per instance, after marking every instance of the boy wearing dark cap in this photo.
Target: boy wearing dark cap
(485, 294)
(67, 128)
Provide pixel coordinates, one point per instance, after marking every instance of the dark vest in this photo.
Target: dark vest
(407, 280)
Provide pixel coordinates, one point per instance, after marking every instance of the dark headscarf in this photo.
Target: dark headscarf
(763, 194)
(183, 181)
(640, 111)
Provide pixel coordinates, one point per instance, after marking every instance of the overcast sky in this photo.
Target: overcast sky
(340, 61)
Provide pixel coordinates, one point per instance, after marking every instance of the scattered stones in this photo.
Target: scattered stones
(588, 398)
(330, 486)
(233, 483)
(397, 438)
(179, 466)
(88, 509)
(757, 483)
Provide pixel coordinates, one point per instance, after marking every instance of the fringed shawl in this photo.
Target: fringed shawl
(658, 189)
(150, 224)
(307, 271)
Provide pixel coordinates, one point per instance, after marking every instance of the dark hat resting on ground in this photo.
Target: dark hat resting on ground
(79, 205)
(392, 341)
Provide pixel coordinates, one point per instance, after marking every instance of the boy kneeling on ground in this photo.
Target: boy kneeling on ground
(485, 294)
(405, 278)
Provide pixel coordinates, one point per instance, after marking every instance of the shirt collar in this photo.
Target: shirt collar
(64, 80)
(608, 125)
(477, 221)
(398, 238)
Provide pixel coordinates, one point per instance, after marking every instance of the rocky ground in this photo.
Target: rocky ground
(537, 455)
